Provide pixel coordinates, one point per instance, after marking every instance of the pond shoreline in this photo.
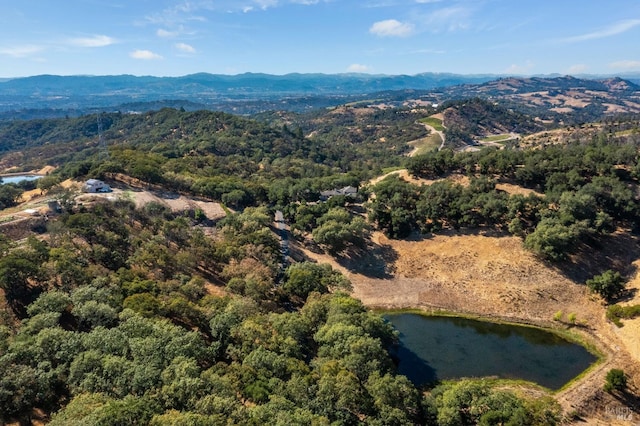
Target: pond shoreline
(573, 333)
(3, 175)
(578, 335)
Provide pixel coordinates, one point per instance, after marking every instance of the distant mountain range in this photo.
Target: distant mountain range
(250, 92)
(216, 85)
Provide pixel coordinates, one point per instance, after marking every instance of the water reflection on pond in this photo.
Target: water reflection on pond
(436, 348)
(19, 178)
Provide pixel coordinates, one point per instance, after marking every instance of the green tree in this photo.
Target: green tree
(552, 239)
(9, 195)
(46, 183)
(615, 380)
(393, 209)
(17, 271)
(303, 278)
(19, 388)
(609, 284)
(338, 230)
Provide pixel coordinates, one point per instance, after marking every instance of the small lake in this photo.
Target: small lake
(19, 178)
(437, 348)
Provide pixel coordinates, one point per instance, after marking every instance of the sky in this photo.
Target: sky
(180, 37)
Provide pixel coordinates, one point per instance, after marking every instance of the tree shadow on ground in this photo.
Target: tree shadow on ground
(616, 251)
(378, 260)
(630, 404)
(373, 260)
(627, 295)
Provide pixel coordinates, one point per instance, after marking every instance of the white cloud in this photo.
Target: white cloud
(95, 41)
(391, 28)
(21, 51)
(184, 47)
(447, 19)
(577, 69)
(428, 1)
(358, 68)
(144, 54)
(265, 4)
(180, 13)
(425, 52)
(614, 29)
(520, 69)
(166, 33)
(626, 65)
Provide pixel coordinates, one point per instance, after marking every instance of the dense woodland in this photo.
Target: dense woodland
(109, 321)
(116, 316)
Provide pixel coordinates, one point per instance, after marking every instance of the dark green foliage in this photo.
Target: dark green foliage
(432, 164)
(394, 208)
(552, 239)
(470, 402)
(20, 274)
(616, 312)
(609, 284)
(303, 278)
(337, 230)
(9, 194)
(615, 380)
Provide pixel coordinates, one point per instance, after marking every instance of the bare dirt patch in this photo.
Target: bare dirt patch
(404, 174)
(630, 332)
(175, 202)
(516, 189)
(45, 170)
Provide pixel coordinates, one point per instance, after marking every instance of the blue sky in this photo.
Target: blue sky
(179, 37)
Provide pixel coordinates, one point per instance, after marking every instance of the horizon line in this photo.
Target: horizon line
(355, 74)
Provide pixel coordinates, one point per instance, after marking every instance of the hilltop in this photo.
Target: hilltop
(562, 99)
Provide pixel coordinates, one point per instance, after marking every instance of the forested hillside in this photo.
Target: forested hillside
(114, 314)
(471, 119)
(589, 188)
(214, 154)
(111, 319)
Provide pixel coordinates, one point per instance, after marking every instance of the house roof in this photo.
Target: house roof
(347, 190)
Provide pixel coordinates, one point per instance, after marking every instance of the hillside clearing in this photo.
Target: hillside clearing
(490, 275)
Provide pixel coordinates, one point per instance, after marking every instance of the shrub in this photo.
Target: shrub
(615, 380)
(615, 312)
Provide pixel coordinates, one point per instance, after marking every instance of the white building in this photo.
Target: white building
(349, 191)
(95, 185)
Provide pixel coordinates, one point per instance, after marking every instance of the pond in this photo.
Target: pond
(19, 178)
(437, 348)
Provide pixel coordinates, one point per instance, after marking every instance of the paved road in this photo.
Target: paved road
(438, 132)
(284, 236)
